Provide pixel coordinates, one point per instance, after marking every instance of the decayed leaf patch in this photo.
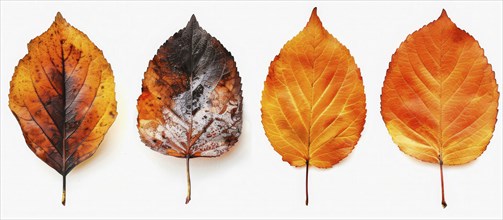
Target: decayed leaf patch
(191, 103)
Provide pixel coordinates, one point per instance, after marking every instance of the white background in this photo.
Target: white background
(125, 179)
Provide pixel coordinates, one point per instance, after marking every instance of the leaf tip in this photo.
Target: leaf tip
(193, 21)
(314, 12)
(314, 16)
(443, 14)
(59, 18)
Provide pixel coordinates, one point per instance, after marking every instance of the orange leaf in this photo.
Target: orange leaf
(313, 103)
(439, 99)
(63, 96)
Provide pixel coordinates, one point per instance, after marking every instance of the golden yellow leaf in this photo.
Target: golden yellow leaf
(313, 103)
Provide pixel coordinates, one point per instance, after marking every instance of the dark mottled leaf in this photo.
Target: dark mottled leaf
(191, 103)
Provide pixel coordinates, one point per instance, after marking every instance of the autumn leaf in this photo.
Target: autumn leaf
(63, 96)
(191, 103)
(313, 103)
(439, 100)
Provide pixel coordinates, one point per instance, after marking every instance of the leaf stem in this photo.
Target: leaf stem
(444, 204)
(63, 198)
(307, 183)
(187, 200)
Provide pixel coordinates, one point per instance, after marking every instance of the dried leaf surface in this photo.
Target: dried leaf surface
(191, 103)
(313, 103)
(63, 96)
(439, 99)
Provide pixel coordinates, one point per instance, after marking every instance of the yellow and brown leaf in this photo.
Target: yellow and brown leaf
(62, 94)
